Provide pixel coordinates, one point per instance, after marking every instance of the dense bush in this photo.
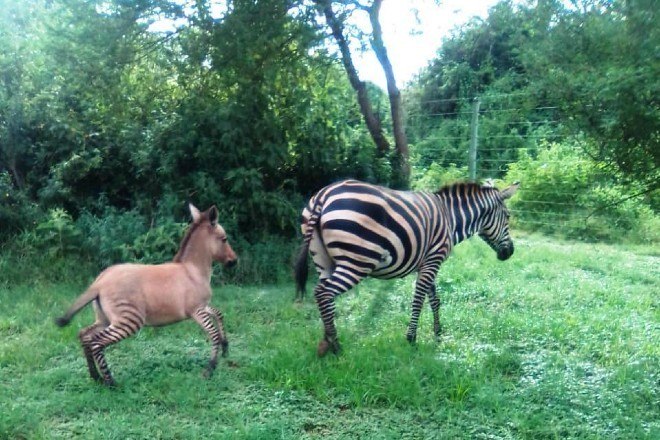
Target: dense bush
(435, 176)
(565, 192)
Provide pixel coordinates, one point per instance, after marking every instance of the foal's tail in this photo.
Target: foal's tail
(90, 295)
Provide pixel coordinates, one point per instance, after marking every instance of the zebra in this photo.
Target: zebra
(354, 229)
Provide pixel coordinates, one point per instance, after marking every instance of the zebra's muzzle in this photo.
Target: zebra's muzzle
(505, 252)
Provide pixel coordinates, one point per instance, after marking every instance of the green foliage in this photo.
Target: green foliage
(437, 176)
(57, 235)
(116, 236)
(565, 192)
(158, 245)
(266, 261)
(17, 211)
(587, 66)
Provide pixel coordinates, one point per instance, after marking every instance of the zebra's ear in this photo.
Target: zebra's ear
(194, 212)
(510, 191)
(213, 215)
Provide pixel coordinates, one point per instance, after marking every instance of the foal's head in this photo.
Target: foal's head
(210, 236)
(495, 230)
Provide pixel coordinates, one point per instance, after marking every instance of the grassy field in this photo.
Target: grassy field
(561, 341)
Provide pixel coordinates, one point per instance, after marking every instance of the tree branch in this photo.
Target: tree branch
(372, 122)
(378, 45)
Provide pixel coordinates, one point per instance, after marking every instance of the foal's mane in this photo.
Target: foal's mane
(186, 238)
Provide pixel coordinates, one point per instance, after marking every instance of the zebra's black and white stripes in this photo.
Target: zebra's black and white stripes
(354, 229)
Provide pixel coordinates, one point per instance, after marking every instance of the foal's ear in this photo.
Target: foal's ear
(510, 191)
(194, 212)
(213, 215)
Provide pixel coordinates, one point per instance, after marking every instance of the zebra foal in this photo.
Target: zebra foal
(354, 229)
(127, 297)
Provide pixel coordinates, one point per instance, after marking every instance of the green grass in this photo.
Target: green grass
(561, 341)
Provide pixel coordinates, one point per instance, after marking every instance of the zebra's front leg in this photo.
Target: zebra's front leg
(417, 304)
(434, 302)
(425, 281)
(204, 317)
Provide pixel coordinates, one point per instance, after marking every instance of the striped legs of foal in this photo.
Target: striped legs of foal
(425, 282)
(91, 364)
(95, 341)
(205, 317)
(341, 280)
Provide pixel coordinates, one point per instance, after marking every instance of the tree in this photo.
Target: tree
(336, 25)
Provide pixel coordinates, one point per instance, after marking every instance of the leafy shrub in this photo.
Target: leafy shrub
(106, 236)
(267, 261)
(564, 191)
(157, 245)
(57, 234)
(437, 176)
(16, 211)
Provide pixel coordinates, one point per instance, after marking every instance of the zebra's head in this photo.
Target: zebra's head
(495, 230)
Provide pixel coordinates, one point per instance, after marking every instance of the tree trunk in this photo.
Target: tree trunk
(373, 123)
(400, 140)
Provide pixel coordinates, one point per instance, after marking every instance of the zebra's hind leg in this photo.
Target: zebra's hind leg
(204, 317)
(341, 280)
(83, 335)
(99, 340)
(434, 302)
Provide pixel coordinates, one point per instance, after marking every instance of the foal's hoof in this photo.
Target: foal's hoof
(110, 384)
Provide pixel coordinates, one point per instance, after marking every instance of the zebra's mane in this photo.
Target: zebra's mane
(457, 186)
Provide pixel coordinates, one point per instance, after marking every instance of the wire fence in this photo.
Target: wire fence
(561, 186)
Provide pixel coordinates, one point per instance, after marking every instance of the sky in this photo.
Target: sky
(411, 41)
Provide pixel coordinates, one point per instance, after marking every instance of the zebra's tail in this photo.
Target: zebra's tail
(301, 268)
(84, 299)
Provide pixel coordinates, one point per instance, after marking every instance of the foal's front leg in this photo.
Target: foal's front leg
(204, 317)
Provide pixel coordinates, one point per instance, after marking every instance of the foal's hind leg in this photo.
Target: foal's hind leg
(204, 317)
(83, 335)
(221, 328)
(101, 339)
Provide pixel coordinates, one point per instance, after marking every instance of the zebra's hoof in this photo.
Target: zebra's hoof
(322, 349)
(412, 339)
